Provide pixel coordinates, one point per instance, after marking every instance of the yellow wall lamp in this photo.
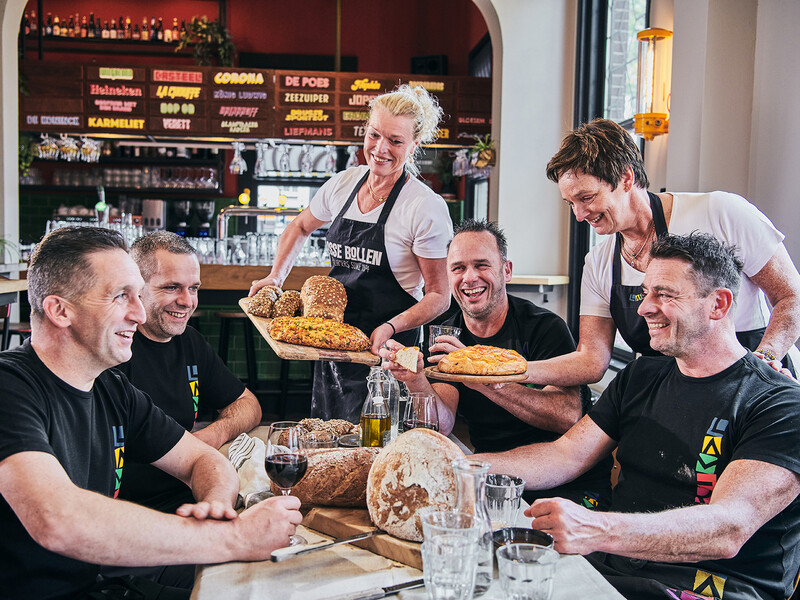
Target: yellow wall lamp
(655, 73)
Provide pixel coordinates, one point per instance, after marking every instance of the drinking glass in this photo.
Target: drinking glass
(448, 567)
(421, 411)
(319, 439)
(435, 331)
(503, 496)
(527, 571)
(286, 461)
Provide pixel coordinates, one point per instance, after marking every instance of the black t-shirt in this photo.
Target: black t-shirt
(92, 434)
(181, 377)
(537, 334)
(677, 434)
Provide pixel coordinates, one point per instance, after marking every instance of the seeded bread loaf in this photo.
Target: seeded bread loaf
(263, 301)
(287, 305)
(335, 477)
(411, 473)
(323, 296)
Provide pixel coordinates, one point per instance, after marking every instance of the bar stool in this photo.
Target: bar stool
(225, 319)
(22, 329)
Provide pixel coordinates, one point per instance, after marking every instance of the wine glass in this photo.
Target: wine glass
(286, 461)
(421, 411)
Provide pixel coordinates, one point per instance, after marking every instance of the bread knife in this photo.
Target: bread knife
(290, 551)
(375, 593)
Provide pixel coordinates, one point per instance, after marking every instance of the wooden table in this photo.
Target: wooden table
(345, 569)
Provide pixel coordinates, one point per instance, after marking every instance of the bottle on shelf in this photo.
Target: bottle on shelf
(145, 34)
(48, 25)
(128, 30)
(112, 33)
(160, 32)
(153, 30)
(167, 34)
(136, 35)
(64, 27)
(105, 34)
(84, 33)
(34, 24)
(56, 27)
(183, 28)
(121, 29)
(175, 31)
(71, 27)
(92, 31)
(26, 24)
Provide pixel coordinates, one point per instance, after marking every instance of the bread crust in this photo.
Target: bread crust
(335, 477)
(287, 305)
(323, 297)
(483, 360)
(411, 473)
(319, 333)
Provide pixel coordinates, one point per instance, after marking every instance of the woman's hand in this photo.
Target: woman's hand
(260, 283)
(380, 335)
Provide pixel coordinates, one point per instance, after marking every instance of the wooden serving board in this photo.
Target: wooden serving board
(435, 373)
(341, 522)
(297, 352)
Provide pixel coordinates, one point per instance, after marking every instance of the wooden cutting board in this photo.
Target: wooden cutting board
(296, 352)
(434, 373)
(341, 522)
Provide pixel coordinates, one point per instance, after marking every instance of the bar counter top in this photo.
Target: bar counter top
(241, 277)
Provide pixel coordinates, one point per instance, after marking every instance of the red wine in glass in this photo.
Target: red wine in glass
(286, 470)
(409, 424)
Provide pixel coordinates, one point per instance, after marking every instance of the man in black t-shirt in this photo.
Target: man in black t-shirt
(177, 367)
(68, 423)
(501, 418)
(706, 436)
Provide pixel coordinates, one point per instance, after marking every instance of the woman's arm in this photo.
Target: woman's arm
(435, 301)
(289, 246)
(587, 364)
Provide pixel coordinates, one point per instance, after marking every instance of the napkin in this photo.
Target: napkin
(247, 455)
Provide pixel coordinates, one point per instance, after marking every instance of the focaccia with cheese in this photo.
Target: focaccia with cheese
(319, 333)
(483, 360)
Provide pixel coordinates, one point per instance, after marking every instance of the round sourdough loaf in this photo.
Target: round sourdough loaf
(411, 473)
(335, 477)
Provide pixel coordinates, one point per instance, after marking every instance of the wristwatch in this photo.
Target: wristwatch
(768, 354)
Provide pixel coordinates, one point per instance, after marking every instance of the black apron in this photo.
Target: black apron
(625, 300)
(359, 260)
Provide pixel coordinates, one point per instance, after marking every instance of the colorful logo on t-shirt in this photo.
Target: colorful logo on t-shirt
(194, 385)
(687, 595)
(119, 455)
(590, 500)
(636, 297)
(708, 460)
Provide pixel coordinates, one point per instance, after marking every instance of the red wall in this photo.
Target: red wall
(384, 35)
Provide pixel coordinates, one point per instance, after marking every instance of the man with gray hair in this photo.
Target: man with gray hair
(177, 367)
(68, 425)
(706, 437)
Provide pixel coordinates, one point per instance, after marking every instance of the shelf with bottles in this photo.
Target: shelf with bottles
(196, 180)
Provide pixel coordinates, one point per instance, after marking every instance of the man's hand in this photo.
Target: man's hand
(445, 344)
(268, 280)
(216, 510)
(387, 353)
(574, 528)
(268, 525)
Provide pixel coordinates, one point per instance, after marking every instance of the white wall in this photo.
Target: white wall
(11, 14)
(775, 125)
(534, 54)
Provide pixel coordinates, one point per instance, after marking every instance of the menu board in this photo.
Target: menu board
(233, 102)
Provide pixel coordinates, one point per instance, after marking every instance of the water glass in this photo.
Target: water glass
(448, 522)
(435, 331)
(503, 496)
(527, 571)
(448, 567)
(421, 412)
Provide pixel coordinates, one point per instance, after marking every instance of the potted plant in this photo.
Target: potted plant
(483, 152)
(209, 40)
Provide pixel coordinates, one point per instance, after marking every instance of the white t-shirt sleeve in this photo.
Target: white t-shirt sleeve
(596, 280)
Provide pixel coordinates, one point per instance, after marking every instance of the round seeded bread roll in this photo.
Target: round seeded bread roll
(287, 305)
(411, 473)
(262, 303)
